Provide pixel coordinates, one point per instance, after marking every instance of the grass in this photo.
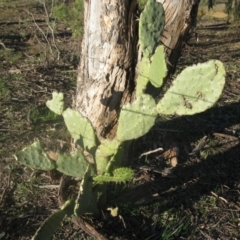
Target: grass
(4, 91)
(9, 56)
(72, 15)
(29, 189)
(175, 225)
(42, 115)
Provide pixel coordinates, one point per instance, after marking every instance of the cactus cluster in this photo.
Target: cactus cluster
(196, 89)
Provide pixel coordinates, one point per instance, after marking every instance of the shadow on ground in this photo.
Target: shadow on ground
(216, 177)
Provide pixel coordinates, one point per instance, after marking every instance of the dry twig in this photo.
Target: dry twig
(150, 152)
(91, 231)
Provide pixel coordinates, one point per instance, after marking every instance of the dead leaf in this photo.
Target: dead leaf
(171, 155)
(113, 211)
(52, 155)
(15, 71)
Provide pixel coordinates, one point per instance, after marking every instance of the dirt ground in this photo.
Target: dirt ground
(199, 198)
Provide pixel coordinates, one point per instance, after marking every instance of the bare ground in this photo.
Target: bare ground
(197, 199)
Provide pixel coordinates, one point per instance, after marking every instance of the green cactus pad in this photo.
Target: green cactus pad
(108, 154)
(87, 198)
(158, 67)
(51, 224)
(80, 128)
(109, 147)
(116, 160)
(136, 118)
(195, 89)
(74, 166)
(151, 25)
(101, 161)
(56, 104)
(143, 74)
(119, 175)
(33, 156)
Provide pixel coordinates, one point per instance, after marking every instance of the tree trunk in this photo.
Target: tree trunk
(107, 70)
(181, 19)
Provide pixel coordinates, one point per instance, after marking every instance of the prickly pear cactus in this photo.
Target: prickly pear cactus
(136, 118)
(151, 25)
(56, 104)
(34, 156)
(74, 166)
(195, 89)
(80, 129)
(119, 175)
(158, 67)
(51, 224)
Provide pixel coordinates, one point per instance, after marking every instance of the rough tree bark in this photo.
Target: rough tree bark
(107, 70)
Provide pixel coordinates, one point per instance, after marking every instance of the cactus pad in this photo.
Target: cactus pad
(80, 128)
(195, 89)
(109, 147)
(158, 67)
(143, 74)
(136, 118)
(105, 151)
(56, 104)
(33, 156)
(51, 224)
(116, 160)
(87, 198)
(101, 161)
(151, 25)
(74, 166)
